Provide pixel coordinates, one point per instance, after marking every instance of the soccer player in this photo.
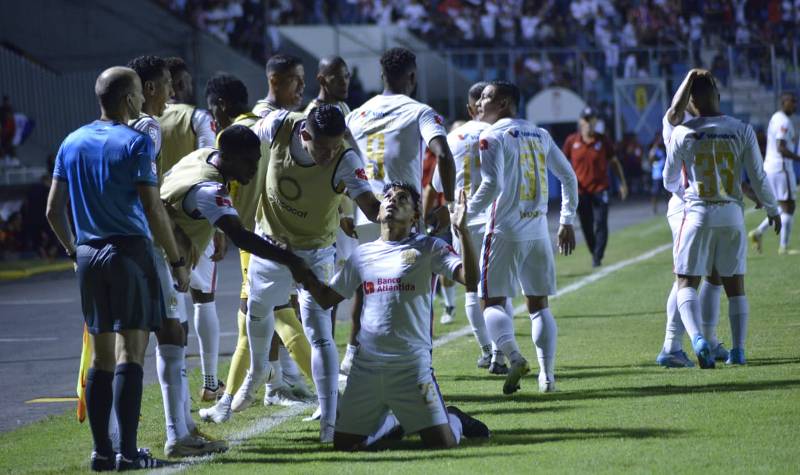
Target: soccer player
(463, 141)
(333, 76)
(182, 438)
(778, 164)
(392, 369)
(392, 131)
(184, 129)
(591, 154)
(106, 171)
(310, 167)
(227, 100)
(515, 156)
(708, 153)
(286, 80)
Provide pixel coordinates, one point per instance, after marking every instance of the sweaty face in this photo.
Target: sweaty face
(289, 87)
(323, 149)
(397, 206)
(337, 82)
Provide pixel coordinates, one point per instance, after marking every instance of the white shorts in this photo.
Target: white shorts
(699, 249)
(507, 265)
(204, 275)
(784, 184)
(476, 233)
(410, 392)
(271, 283)
(173, 300)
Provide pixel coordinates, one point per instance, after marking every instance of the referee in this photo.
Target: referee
(590, 154)
(107, 171)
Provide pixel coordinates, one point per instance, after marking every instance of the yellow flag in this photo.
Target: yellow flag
(86, 362)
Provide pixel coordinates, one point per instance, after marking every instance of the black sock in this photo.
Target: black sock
(128, 400)
(99, 396)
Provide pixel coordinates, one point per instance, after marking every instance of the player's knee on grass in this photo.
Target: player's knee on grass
(438, 437)
(348, 442)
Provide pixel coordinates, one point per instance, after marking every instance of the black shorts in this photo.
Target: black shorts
(119, 285)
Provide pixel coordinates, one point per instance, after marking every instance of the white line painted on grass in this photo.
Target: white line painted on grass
(27, 340)
(270, 422)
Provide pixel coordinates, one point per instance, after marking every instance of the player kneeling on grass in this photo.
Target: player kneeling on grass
(392, 369)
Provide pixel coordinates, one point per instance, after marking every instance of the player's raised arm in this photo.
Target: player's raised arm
(680, 100)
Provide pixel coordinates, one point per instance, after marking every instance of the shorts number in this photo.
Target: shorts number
(713, 169)
(468, 158)
(375, 152)
(534, 171)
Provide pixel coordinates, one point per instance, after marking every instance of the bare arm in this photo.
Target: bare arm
(623, 185)
(467, 274)
(161, 227)
(369, 205)
(446, 164)
(783, 149)
(325, 296)
(57, 215)
(681, 99)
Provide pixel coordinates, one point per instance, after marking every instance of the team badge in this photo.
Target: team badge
(409, 256)
(361, 174)
(483, 144)
(369, 288)
(439, 120)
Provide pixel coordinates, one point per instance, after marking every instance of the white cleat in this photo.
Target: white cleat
(547, 385)
(326, 430)
(217, 413)
(447, 316)
(246, 394)
(281, 396)
(315, 416)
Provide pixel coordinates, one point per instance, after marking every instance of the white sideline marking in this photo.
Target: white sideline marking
(27, 340)
(268, 423)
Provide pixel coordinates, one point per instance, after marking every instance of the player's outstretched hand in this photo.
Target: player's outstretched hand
(566, 239)
(348, 227)
(459, 217)
(181, 277)
(775, 222)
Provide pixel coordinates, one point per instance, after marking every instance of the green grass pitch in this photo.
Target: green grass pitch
(615, 411)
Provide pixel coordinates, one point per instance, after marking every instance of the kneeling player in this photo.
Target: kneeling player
(392, 368)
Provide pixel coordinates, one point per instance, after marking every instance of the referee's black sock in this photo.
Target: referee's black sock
(99, 397)
(128, 400)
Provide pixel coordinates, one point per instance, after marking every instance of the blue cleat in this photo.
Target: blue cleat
(736, 356)
(676, 359)
(719, 353)
(703, 352)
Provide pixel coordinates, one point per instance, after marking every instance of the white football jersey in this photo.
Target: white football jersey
(515, 156)
(780, 128)
(397, 279)
(150, 126)
(463, 142)
(392, 132)
(706, 157)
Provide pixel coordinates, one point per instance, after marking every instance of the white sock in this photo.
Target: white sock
(187, 400)
(325, 372)
(497, 354)
(673, 336)
(689, 308)
(388, 424)
(501, 329)
(763, 226)
(206, 324)
(455, 426)
(709, 311)
(786, 228)
(277, 380)
(169, 360)
(472, 308)
(259, 335)
(509, 307)
(544, 333)
(738, 313)
(449, 294)
(225, 400)
(290, 370)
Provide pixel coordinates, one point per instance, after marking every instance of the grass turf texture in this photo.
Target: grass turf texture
(615, 409)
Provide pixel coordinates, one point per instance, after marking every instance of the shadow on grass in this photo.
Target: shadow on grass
(613, 315)
(772, 361)
(527, 410)
(633, 392)
(537, 436)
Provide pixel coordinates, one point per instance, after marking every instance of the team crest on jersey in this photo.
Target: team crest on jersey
(460, 137)
(361, 174)
(409, 256)
(483, 144)
(223, 201)
(513, 133)
(439, 120)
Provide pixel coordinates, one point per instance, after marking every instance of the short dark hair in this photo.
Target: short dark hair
(328, 63)
(228, 87)
(407, 187)
(476, 89)
(326, 120)
(282, 63)
(507, 89)
(703, 86)
(176, 65)
(396, 62)
(149, 68)
(238, 138)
